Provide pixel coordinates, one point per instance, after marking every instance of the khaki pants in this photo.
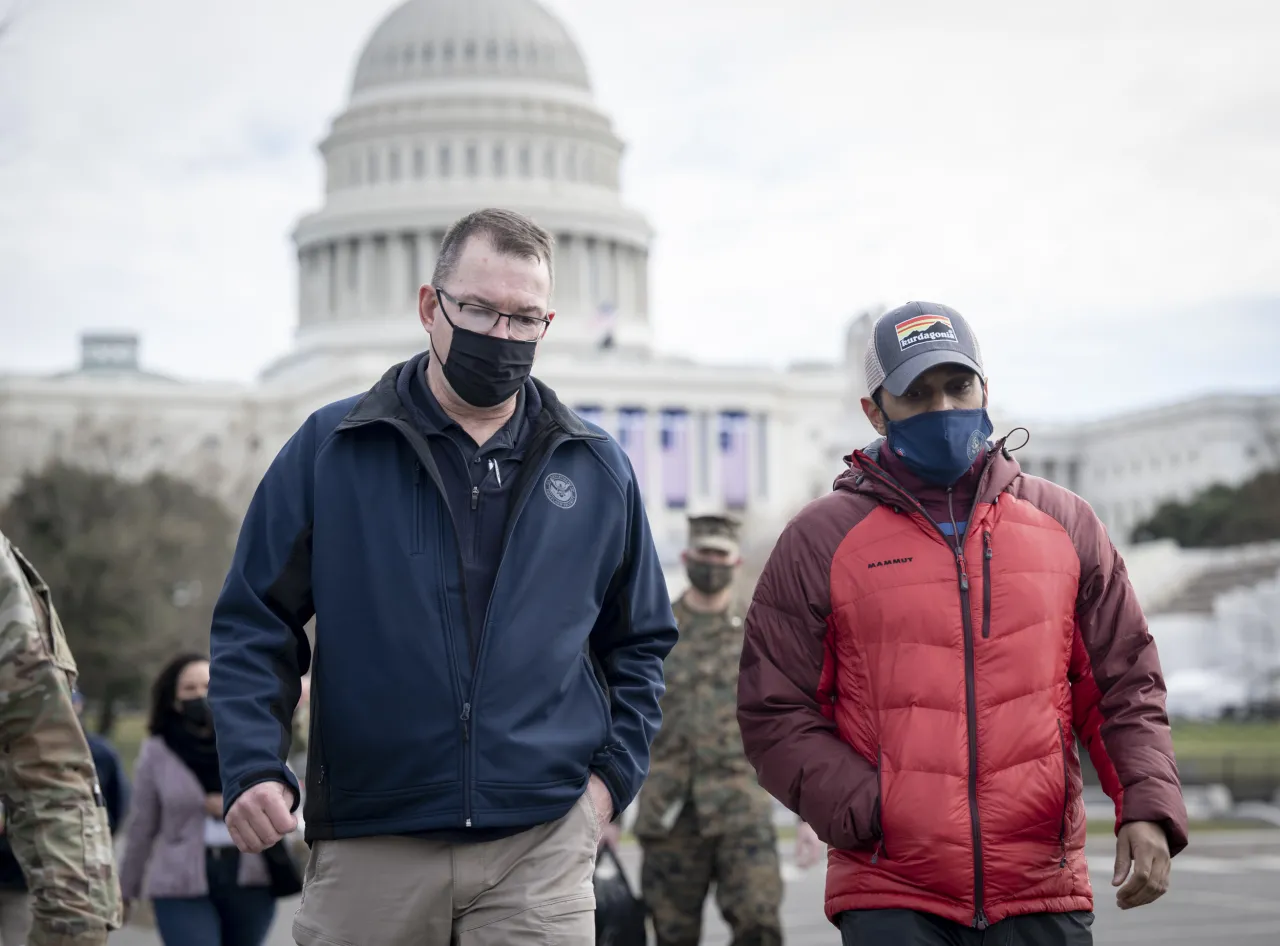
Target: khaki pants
(534, 887)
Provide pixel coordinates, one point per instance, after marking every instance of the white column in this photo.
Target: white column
(565, 294)
(762, 454)
(377, 275)
(427, 247)
(714, 482)
(305, 285)
(398, 269)
(642, 278)
(626, 283)
(329, 284)
(655, 497)
(342, 278)
(586, 299)
(609, 257)
(362, 250)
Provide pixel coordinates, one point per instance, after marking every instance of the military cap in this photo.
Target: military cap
(714, 531)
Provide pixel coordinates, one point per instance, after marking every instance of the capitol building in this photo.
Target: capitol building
(461, 104)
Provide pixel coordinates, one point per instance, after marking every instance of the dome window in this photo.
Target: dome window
(419, 163)
(375, 167)
(393, 165)
(526, 161)
(446, 161)
(513, 52)
(499, 161)
(447, 52)
(469, 51)
(549, 163)
(532, 55)
(571, 165)
(409, 53)
(491, 50)
(354, 176)
(428, 53)
(473, 160)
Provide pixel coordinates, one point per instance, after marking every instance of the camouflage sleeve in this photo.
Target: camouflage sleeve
(56, 822)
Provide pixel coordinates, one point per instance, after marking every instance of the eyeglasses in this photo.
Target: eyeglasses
(481, 319)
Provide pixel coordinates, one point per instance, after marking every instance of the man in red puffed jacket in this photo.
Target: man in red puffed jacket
(906, 683)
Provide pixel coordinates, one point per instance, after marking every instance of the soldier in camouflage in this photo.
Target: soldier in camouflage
(702, 816)
(56, 819)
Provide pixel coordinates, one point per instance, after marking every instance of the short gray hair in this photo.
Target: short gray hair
(510, 233)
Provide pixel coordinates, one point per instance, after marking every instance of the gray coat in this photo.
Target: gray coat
(164, 845)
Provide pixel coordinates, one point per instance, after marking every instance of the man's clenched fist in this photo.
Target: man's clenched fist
(261, 817)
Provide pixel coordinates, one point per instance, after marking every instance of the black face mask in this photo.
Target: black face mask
(485, 370)
(709, 577)
(195, 713)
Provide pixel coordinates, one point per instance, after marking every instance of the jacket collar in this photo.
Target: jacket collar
(865, 476)
(382, 403)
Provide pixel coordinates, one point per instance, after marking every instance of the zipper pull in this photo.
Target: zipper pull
(875, 857)
(986, 544)
(321, 782)
(964, 582)
(466, 724)
(475, 496)
(980, 921)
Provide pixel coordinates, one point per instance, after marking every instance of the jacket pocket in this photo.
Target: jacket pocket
(1066, 795)
(882, 849)
(596, 672)
(316, 802)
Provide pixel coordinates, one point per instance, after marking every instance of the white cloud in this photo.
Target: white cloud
(1046, 170)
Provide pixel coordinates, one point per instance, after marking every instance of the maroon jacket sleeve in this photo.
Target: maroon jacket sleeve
(795, 748)
(1126, 668)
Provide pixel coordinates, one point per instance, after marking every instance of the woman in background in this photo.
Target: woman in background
(179, 852)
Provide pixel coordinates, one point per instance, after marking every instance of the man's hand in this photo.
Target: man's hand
(601, 801)
(261, 817)
(1143, 847)
(213, 805)
(809, 847)
(611, 835)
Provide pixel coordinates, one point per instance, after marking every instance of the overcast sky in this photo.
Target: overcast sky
(1095, 184)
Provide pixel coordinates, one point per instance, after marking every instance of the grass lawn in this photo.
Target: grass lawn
(1216, 739)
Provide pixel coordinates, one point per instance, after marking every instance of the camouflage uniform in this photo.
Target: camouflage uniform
(56, 819)
(702, 817)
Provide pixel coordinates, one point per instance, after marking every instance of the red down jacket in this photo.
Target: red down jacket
(913, 703)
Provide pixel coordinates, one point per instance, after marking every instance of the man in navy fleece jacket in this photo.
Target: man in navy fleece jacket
(491, 623)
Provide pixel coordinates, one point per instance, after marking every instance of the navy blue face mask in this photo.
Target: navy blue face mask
(939, 446)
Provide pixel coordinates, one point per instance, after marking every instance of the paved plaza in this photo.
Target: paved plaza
(1224, 892)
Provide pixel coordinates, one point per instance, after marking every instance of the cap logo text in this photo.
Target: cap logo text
(924, 328)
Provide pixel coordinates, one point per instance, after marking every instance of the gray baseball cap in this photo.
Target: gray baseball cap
(911, 339)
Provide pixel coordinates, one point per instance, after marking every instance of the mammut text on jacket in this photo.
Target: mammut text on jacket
(420, 721)
(944, 772)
